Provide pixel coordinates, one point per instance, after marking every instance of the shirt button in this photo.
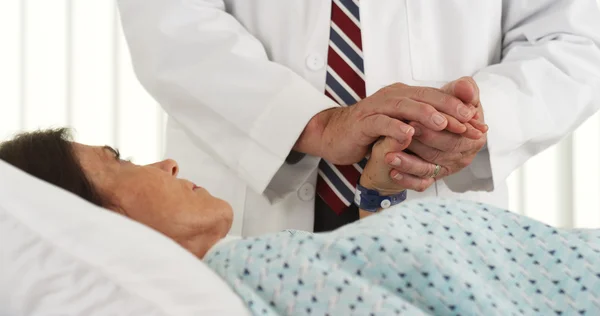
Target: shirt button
(306, 192)
(315, 62)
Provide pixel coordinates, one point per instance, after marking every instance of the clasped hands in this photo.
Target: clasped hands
(413, 128)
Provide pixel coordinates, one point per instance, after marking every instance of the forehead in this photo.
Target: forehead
(92, 158)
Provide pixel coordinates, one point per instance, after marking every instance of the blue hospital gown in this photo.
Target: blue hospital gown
(428, 257)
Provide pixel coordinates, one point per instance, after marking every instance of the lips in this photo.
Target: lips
(192, 185)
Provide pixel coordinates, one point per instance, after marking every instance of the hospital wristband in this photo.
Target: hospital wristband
(372, 201)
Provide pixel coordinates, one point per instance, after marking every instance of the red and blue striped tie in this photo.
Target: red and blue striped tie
(345, 84)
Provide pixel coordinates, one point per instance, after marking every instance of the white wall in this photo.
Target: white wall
(65, 63)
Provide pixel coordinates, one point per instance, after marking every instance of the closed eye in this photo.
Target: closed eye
(114, 152)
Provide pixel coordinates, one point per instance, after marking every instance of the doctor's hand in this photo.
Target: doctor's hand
(344, 135)
(452, 151)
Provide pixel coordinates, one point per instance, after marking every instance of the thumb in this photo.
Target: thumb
(388, 145)
(465, 89)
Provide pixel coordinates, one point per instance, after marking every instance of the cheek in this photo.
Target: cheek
(209, 205)
(173, 209)
(215, 211)
(146, 203)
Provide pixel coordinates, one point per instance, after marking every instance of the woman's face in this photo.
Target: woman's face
(154, 196)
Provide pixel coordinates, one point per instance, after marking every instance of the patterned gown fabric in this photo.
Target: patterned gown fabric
(428, 257)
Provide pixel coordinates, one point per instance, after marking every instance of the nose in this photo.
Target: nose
(168, 165)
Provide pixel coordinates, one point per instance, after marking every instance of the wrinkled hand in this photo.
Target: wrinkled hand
(452, 151)
(378, 174)
(345, 134)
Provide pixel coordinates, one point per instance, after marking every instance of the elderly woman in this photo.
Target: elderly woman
(436, 257)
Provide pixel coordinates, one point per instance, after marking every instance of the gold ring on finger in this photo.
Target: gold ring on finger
(436, 171)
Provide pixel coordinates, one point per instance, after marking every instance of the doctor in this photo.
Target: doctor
(253, 88)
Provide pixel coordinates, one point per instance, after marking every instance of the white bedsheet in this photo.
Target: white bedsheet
(60, 255)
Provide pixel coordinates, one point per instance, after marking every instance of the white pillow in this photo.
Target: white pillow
(60, 255)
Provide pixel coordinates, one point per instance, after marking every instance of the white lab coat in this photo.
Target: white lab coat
(241, 78)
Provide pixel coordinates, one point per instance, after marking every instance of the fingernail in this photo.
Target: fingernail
(464, 111)
(398, 176)
(409, 130)
(418, 131)
(438, 119)
(396, 162)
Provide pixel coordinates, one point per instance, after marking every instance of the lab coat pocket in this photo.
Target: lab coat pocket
(452, 38)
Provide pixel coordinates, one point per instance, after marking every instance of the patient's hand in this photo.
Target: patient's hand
(378, 175)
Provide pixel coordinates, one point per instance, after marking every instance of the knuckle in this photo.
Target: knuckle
(390, 124)
(400, 102)
(358, 111)
(377, 120)
(387, 90)
(432, 155)
(365, 123)
(426, 170)
(421, 92)
(384, 89)
(424, 111)
(397, 85)
(456, 144)
(427, 110)
(453, 102)
(428, 155)
(437, 155)
(392, 89)
(446, 99)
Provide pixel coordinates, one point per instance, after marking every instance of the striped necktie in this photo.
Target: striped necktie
(345, 84)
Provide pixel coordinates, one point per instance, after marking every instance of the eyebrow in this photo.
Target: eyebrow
(114, 152)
